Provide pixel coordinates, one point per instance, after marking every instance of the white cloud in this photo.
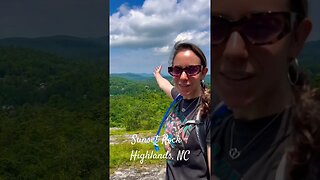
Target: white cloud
(124, 9)
(197, 37)
(157, 24)
(162, 50)
(158, 7)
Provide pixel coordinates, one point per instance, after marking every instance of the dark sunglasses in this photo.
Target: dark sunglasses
(191, 70)
(257, 28)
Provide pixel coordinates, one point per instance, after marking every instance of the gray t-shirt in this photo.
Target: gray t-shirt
(259, 160)
(193, 162)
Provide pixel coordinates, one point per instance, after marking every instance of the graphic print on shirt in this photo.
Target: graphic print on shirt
(176, 130)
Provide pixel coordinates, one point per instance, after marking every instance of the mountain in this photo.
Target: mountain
(65, 46)
(309, 58)
(311, 48)
(145, 77)
(52, 112)
(33, 77)
(133, 76)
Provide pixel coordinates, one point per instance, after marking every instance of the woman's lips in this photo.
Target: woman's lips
(184, 85)
(237, 76)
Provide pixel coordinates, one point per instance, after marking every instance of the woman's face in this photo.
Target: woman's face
(244, 73)
(188, 86)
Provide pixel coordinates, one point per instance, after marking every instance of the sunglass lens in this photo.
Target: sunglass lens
(176, 71)
(193, 70)
(220, 29)
(263, 29)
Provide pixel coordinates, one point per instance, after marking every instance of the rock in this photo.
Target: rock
(146, 172)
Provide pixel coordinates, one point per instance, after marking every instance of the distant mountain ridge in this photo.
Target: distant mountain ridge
(144, 76)
(133, 76)
(311, 50)
(65, 46)
(309, 58)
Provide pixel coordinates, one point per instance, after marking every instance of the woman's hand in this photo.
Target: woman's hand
(157, 70)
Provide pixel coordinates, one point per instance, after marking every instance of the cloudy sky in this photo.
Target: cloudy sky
(142, 32)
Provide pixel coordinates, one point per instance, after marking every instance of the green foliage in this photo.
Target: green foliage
(27, 76)
(50, 142)
(144, 111)
(120, 153)
(122, 86)
(119, 159)
(136, 105)
(52, 116)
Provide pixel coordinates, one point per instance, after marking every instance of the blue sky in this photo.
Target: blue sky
(115, 4)
(142, 33)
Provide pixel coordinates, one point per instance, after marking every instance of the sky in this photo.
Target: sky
(36, 18)
(142, 33)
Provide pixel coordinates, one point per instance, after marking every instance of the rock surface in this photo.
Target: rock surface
(147, 172)
(144, 172)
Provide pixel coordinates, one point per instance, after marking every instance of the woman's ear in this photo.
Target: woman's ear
(204, 72)
(300, 35)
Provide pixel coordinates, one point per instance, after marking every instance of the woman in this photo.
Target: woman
(188, 68)
(254, 49)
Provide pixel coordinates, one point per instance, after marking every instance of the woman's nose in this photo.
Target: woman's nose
(183, 75)
(235, 47)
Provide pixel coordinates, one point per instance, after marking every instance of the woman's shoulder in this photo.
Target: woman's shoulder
(174, 93)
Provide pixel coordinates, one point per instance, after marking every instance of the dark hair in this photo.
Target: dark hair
(305, 151)
(181, 46)
(205, 97)
(304, 155)
(300, 7)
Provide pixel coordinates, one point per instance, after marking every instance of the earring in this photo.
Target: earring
(293, 72)
(202, 83)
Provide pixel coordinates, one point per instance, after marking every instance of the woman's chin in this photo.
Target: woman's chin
(185, 94)
(237, 102)
(188, 95)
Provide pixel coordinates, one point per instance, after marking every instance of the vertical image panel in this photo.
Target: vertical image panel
(159, 89)
(265, 74)
(53, 81)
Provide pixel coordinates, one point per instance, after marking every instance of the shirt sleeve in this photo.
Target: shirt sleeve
(174, 92)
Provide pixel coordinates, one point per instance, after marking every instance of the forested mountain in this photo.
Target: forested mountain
(32, 77)
(309, 58)
(65, 46)
(147, 77)
(133, 76)
(52, 116)
(136, 105)
(121, 86)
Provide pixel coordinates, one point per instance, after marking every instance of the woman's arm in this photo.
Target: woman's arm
(163, 83)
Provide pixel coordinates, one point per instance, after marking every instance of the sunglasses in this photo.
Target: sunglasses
(191, 70)
(256, 28)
